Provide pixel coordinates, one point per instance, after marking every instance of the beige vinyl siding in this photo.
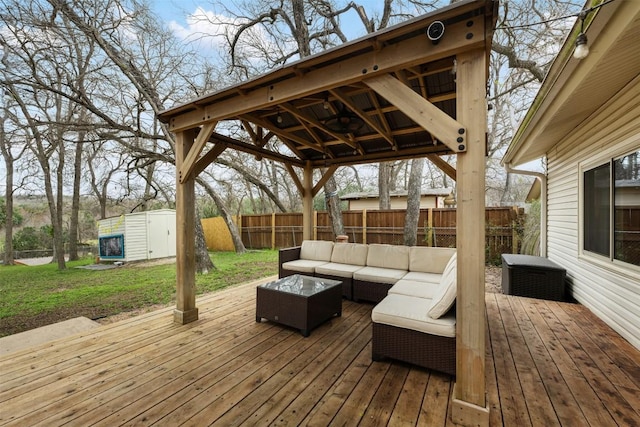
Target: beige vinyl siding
(610, 289)
(135, 237)
(111, 226)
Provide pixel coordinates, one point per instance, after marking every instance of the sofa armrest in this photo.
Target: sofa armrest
(286, 255)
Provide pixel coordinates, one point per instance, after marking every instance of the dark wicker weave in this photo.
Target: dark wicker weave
(299, 311)
(418, 348)
(533, 277)
(286, 255)
(347, 284)
(369, 291)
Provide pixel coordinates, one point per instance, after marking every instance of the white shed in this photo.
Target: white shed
(138, 236)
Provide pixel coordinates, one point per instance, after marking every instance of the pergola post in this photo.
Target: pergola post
(186, 310)
(307, 202)
(469, 404)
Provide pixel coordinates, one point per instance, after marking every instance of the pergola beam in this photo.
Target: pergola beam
(252, 149)
(186, 170)
(421, 111)
(445, 167)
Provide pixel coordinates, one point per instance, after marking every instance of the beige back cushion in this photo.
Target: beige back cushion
(350, 253)
(388, 256)
(445, 294)
(429, 260)
(316, 250)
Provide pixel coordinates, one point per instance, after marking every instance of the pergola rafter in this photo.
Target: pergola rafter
(415, 97)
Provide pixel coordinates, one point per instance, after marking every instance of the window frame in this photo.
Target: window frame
(608, 262)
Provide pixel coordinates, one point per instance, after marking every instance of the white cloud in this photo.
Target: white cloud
(204, 28)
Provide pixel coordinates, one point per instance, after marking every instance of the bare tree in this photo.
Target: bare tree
(226, 215)
(11, 152)
(142, 69)
(413, 202)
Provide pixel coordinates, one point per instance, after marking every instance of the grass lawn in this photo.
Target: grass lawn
(33, 296)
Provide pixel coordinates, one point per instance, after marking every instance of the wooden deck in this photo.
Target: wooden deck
(548, 364)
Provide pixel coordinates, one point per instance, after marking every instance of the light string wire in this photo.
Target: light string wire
(583, 12)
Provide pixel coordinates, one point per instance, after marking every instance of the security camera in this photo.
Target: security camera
(435, 31)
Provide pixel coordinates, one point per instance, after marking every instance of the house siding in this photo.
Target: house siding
(610, 290)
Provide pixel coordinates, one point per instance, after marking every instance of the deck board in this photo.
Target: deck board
(548, 363)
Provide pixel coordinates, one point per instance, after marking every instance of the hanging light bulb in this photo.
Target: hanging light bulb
(279, 118)
(582, 49)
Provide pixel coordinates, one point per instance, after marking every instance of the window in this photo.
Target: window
(111, 246)
(612, 209)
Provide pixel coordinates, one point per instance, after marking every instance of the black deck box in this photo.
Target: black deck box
(532, 276)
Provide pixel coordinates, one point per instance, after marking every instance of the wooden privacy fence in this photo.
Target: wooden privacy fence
(436, 227)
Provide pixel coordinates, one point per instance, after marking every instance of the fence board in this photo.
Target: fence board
(387, 226)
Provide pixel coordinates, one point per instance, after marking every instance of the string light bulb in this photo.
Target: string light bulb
(582, 48)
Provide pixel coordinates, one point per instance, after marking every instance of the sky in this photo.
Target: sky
(179, 15)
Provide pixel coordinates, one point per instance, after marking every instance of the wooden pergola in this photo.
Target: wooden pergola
(413, 90)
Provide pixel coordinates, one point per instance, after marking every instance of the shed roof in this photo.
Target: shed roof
(400, 193)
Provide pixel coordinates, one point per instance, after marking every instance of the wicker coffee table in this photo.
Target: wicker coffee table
(301, 302)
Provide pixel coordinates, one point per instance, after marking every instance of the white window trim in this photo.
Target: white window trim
(616, 151)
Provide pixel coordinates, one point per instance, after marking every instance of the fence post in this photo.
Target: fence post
(315, 225)
(430, 227)
(364, 226)
(273, 231)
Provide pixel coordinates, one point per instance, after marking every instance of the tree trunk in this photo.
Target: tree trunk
(413, 203)
(56, 220)
(333, 207)
(384, 177)
(8, 224)
(75, 203)
(203, 260)
(5, 149)
(226, 215)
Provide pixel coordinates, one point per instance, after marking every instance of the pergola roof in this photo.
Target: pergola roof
(363, 78)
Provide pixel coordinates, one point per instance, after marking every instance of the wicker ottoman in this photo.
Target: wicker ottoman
(533, 277)
(301, 302)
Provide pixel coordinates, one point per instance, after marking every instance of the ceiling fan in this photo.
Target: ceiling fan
(344, 122)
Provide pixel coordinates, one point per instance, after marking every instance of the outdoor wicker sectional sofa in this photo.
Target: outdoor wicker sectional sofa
(414, 288)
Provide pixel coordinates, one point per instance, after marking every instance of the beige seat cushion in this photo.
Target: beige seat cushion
(410, 313)
(379, 275)
(414, 288)
(429, 260)
(388, 256)
(302, 266)
(316, 250)
(335, 269)
(417, 276)
(350, 253)
(445, 294)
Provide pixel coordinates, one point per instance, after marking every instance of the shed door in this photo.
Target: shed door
(160, 237)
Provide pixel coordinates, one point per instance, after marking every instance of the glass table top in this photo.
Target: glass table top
(301, 285)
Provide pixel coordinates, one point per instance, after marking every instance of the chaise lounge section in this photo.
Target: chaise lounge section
(413, 328)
